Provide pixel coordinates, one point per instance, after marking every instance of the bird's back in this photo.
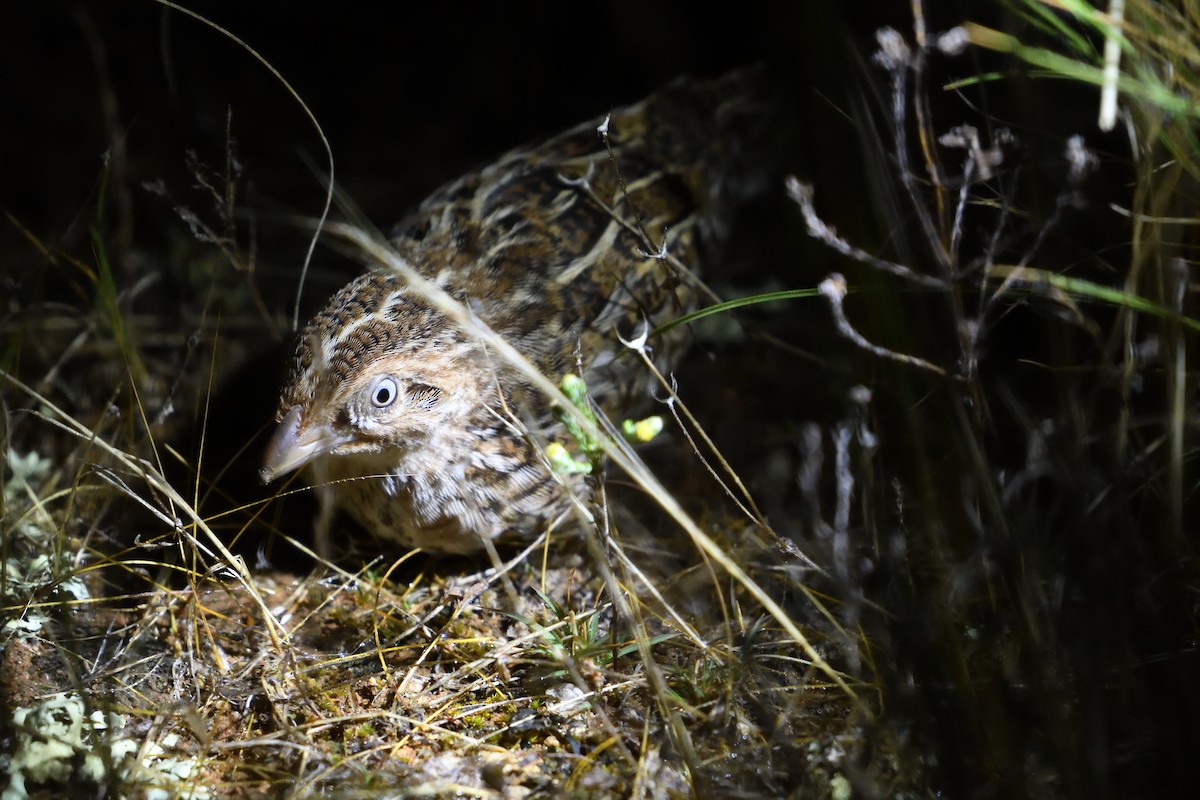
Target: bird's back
(564, 245)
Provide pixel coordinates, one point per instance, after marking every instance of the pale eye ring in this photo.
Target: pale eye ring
(384, 391)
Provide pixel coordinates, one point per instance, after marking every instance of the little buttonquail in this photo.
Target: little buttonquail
(410, 425)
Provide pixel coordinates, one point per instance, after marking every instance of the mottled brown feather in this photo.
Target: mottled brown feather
(545, 245)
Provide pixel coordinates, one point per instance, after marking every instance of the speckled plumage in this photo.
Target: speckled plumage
(407, 423)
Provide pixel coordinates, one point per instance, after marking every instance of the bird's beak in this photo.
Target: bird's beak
(294, 445)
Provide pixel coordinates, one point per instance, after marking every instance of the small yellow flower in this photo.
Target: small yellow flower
(642, 430)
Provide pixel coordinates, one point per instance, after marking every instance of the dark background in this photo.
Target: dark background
(409, 95)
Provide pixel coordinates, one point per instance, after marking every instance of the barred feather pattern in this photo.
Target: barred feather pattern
(412, 427)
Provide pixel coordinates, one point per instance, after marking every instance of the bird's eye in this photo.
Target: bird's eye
(384, 392)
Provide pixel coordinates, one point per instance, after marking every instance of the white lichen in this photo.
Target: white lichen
(58, 743)
(24, 471)
(26, 474)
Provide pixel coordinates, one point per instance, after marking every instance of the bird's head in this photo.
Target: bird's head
(377, 370)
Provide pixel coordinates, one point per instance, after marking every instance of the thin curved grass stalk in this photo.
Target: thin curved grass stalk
(377, 251)
(312, 244)
(155, 479)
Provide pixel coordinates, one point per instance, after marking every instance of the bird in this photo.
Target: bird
(398, 417)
